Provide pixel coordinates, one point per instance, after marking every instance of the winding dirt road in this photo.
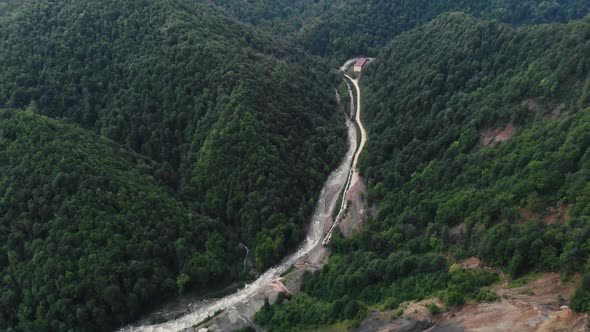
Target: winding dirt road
(359, 123)
(353, 175)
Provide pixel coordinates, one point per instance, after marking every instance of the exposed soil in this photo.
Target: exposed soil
(539, 305)
(556, 112)
(546, 290)
(494, 136)
(558, 214)
(471, 263)
(357, 211)
(550, 111)
(533, 104)
(511, 315)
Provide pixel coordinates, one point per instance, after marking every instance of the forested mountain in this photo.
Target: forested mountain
(8, 6)
(340, 29)
(188, 133)
(87, 236)
(145, 143)
(283, 17)
(180, 84)
(352, 27)
(478, 139)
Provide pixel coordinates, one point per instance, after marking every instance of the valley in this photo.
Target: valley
(219, 165)
(237, 310)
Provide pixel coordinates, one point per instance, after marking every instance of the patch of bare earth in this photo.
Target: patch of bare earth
(546, 290)
(357, 211)
(556, 112)
(551, 215)
(471, 263)
(491, 137)
(511, 315)
(539, 305)
(548, 110)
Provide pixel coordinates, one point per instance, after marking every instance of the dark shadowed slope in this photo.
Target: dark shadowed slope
(88, 238)
(181, 84)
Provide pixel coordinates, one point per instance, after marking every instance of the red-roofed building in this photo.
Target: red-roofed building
(360, 63)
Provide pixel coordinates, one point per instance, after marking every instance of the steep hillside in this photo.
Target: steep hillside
(87, 237)
(478, 146)
(180, 83)
(283, 17)
(198, 134)
(350, 28)
(340, 29)
(144, 144)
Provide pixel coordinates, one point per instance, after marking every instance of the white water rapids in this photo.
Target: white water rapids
(246, 301)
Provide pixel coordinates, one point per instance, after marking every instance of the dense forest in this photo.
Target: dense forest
(340, 29)
(87, 235)
(282, 17)
(349, 28)
(431, 98)
(180, 84)
(145, 143)
(215, 136)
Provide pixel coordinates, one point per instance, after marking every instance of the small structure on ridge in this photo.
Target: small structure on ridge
(360, 63)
